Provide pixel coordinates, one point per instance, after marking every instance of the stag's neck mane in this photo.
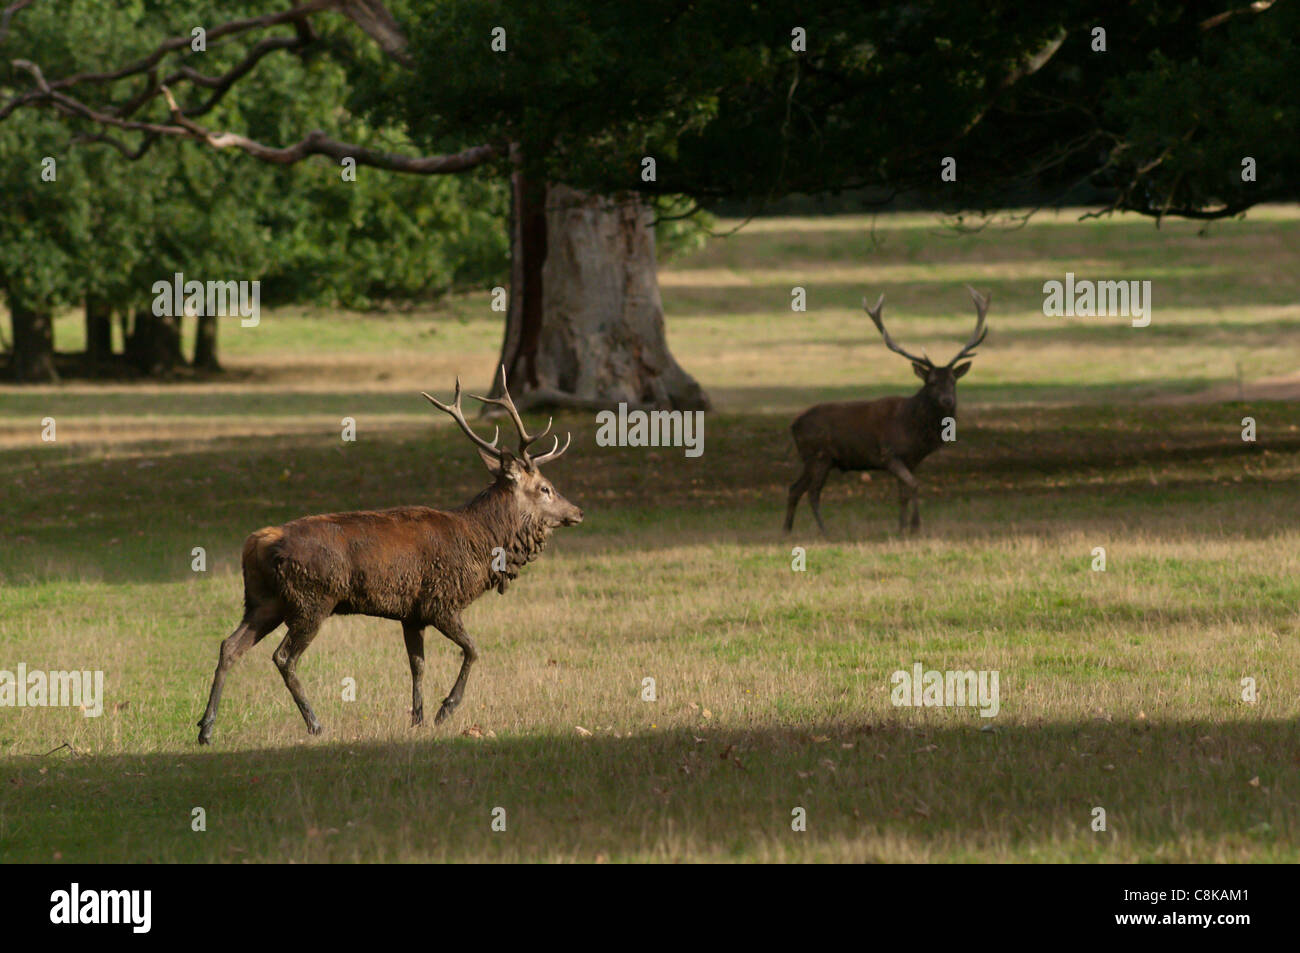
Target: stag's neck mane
(521, 536)
(922, 407)
(926, 415)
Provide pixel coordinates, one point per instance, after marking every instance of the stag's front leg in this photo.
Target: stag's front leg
(453, 630)
(414, 635)
(904, 499)
(907, 496)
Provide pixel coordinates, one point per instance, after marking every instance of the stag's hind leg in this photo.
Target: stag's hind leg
(299, 636)
(255, 627)
(414, 635)
(453, 630)
(797, 489)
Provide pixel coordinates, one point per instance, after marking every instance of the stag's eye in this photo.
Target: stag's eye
(546, 491)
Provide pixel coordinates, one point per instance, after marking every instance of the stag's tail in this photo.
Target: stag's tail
(259, 559)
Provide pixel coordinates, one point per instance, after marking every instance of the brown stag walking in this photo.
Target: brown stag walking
(891, 433)
(413, 564)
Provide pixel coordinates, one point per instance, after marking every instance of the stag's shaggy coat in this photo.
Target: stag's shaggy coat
(413, 564)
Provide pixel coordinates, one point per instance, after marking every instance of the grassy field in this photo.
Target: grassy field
(1119, 689)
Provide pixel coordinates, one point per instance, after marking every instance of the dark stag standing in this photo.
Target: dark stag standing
(416, 565)
(891, 433)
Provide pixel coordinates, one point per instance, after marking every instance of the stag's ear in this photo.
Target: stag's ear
(960, 369)
(491, 460)
(921, 370)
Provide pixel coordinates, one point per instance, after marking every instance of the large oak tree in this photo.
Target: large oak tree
(1159, 104)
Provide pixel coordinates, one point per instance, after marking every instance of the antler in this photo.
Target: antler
(889, 342)
(977, 336)
(525, 441)
(459, 416)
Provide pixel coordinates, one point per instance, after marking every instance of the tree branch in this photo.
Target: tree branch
(133, 154)
(371, 16)
(219, 84)
(294, 14)
(315, 143)
(318, 143)
(8, 14)
(1259, 6)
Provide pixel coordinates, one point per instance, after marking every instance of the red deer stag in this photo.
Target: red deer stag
(891, 433)
(415, 565)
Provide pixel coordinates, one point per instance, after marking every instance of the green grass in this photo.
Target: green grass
(1119, 689)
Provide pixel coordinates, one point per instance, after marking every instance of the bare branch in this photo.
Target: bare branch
(132, 154)
(294, 14)
(8, 14)
(1259, 6)
(220, 84)
(318, 143)
(148, 65)
(373, 18)
(315, 143)
(1027, 67)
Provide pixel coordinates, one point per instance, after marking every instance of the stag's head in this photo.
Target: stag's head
(940, 380)
(518, 473)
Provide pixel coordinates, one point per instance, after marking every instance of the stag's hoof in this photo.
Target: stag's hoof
(204, 738)
(315, 729)
(443, 713)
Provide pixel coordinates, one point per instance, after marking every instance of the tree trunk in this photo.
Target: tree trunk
(33, 354)
(205, 344)
(99, 331)
(585, 327)
(154, 347)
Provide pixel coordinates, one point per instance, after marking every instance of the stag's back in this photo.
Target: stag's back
(399, 563)
(851, 435)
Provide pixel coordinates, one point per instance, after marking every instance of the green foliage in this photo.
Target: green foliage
(713, 90)
(110, 228)
(1191, 122)
(385, 237)
(680, 226)
(40, 224)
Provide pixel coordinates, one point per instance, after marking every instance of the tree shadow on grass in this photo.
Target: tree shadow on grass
(898, 789)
